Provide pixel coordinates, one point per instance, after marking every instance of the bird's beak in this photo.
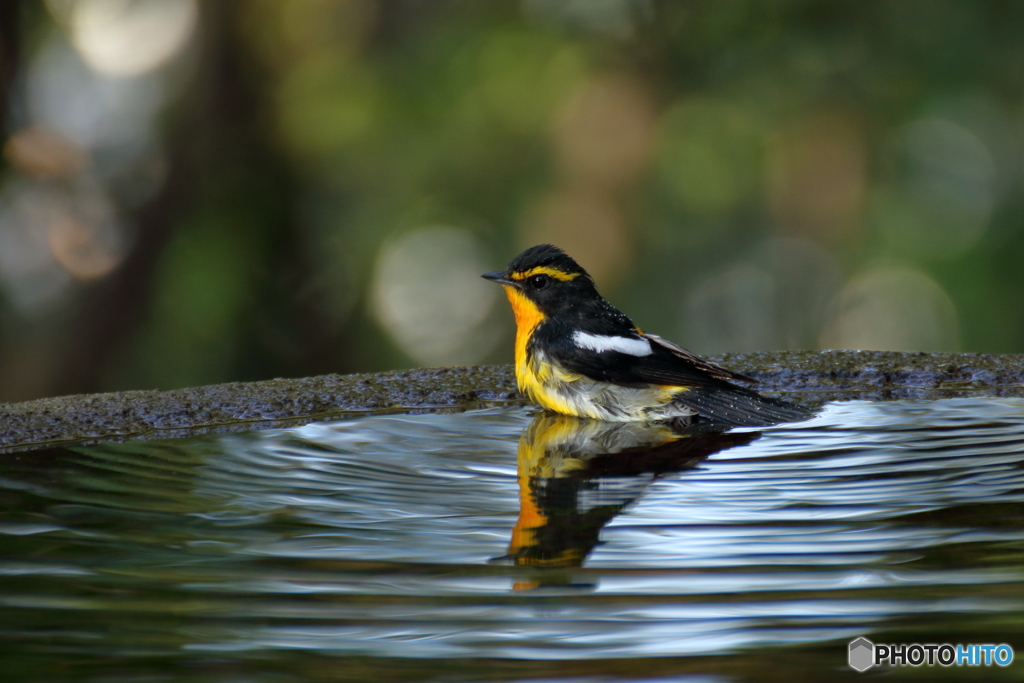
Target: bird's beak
(500, 278)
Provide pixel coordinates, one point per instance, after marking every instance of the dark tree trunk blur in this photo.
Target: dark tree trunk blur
(10, 48)
(115, 309)
(221, 156)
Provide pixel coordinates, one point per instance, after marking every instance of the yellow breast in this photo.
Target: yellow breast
(535, 377)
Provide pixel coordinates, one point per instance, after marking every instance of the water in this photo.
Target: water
(418, 548)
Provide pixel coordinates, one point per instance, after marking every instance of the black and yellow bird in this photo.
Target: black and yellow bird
(576, 354)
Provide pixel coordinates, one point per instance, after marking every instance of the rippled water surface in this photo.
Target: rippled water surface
(499, 546)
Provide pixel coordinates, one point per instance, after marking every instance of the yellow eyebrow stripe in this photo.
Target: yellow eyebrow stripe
(544, 270)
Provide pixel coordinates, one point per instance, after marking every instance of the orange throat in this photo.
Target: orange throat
(528, 316)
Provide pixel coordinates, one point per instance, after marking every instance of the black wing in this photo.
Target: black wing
(671, 362)
(666, 364)
(711, 392)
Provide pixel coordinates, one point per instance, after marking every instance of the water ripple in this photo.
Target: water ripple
(410, 537)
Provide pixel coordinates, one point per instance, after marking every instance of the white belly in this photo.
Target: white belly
(573, 394)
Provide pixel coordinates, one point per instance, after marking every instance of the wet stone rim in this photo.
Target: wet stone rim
(809, 377)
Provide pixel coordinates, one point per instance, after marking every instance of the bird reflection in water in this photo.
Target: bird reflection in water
(576, 474)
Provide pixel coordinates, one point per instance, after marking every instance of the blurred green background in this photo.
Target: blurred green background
(197, 191)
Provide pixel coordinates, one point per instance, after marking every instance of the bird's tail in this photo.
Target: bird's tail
(740, 407)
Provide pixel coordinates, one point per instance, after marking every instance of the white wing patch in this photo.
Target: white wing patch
(604, 342)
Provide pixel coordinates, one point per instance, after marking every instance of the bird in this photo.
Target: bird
(576, 354)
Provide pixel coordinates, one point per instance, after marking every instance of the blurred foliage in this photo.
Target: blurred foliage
(312, 186)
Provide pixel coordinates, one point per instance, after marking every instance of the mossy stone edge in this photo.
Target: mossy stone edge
(809, 377)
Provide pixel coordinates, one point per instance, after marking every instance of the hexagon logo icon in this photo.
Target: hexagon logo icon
(862, 654)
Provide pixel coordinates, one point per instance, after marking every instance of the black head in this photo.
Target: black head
(548, 277)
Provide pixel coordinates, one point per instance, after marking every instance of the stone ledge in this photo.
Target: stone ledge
(808, 377)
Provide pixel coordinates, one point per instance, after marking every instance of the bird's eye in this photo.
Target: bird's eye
(539, 281)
